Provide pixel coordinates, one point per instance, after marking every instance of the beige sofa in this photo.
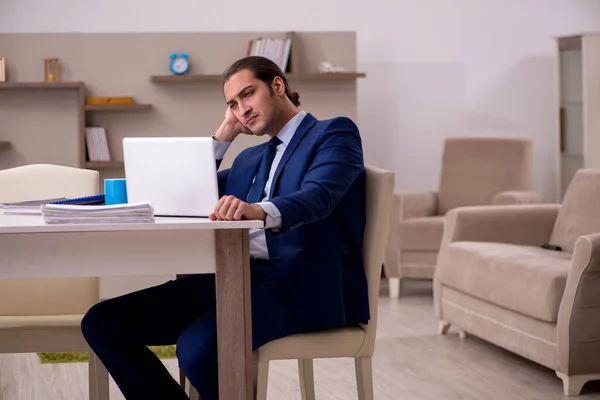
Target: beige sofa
(475, 171)
(495, 281)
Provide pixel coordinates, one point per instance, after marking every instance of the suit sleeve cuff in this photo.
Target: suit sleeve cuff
(273, 219)
(220, 148)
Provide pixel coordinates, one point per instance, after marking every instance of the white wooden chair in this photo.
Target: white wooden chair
(357, 342)
(44, 315)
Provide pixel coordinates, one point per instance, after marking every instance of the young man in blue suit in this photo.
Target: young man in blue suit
(307, 183)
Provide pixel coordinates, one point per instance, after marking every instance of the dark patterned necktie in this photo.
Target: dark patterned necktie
(256, 192)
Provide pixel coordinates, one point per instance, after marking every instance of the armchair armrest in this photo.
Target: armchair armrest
(415, 204)
(529, 224)
(405, 205)
(518, 197)
(578, 330)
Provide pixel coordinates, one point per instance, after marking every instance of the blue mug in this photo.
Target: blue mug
(115, 191)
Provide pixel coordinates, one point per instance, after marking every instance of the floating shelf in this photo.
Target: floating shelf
(4, 144)
(185, 78)
(333, 76)
(338, 76)
(41, 85)
(118, 107)
(104, 164)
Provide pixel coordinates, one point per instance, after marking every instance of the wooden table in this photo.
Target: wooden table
(29, 248)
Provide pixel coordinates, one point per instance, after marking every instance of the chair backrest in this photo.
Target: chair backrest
(579, 212)
(476, 169)
(64, 296)
(379, 190)
(46, 181)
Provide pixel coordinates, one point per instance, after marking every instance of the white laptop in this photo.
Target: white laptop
(177, 174)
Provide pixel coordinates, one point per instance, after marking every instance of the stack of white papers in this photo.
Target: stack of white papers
(101, 214)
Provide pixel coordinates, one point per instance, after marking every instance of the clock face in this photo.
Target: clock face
(179, 65)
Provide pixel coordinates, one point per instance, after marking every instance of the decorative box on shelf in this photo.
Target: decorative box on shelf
(89, 100)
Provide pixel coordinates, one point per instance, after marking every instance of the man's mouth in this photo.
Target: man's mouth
(250, 120)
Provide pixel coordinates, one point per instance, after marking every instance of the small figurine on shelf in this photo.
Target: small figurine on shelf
(51, 70)
(179, 64)
(326, 67)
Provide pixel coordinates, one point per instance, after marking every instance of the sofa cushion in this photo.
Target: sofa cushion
(424, 233)
(529, 280)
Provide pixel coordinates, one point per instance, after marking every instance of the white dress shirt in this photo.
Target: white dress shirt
(258, 239)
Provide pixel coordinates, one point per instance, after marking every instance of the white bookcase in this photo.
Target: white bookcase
(579, 96)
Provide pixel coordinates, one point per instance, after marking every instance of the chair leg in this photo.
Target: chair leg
(443, 327)
(187, 387)
(193, 394)
(364, 377)
(262, 380)
(182, 379)
(394, 287)
(98, 378)
(307, 379)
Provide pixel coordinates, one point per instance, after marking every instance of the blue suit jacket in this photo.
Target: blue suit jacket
(316, 256)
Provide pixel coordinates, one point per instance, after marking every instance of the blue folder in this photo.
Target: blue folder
(88, 200)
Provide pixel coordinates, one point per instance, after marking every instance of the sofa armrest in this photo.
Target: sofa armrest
(405, 205)
(518, 197)
(529, 224)
(578, 330)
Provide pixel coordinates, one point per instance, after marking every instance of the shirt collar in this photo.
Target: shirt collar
(287, 132)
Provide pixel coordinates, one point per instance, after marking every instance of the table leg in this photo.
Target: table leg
(234, 323)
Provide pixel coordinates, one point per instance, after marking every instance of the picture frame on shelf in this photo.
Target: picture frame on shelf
(51, 70)
(2, 69)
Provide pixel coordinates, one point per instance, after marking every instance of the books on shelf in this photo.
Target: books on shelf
(142, 212)
(275, 49)
(97, 145)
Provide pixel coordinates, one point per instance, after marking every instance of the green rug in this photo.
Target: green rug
(54, 358)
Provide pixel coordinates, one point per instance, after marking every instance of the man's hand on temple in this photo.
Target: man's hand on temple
(230, 128)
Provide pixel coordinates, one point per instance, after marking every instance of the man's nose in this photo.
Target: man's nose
(245, 109)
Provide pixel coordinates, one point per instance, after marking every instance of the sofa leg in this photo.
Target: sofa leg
(573, 384)
(443, 327)
(462, 334)
(394, 285)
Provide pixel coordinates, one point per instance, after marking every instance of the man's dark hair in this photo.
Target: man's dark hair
(263, 69)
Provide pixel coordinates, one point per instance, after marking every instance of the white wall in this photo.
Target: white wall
(435, 67)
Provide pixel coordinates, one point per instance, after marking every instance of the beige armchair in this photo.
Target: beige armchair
(44, 315)
(356, 342)
(475, 171)
(494, 279)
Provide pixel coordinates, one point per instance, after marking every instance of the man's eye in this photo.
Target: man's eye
(232, 106)
(248, 93)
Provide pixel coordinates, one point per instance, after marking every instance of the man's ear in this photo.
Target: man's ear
(278, 85)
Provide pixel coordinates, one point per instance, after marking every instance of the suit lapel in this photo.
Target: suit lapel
(304, 126)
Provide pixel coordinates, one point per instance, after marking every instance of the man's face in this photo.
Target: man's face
(251, 101)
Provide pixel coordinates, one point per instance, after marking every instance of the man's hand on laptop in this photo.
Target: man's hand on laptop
(230, 128)
(230, 208)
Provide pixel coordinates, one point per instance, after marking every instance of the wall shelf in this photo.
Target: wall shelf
(41, 85)
(333, 76)
(172, 101)
(337, 76)
(118, 107)
(104, 164)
